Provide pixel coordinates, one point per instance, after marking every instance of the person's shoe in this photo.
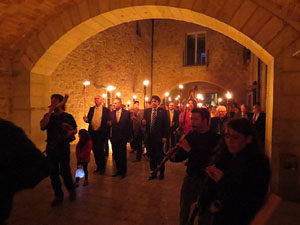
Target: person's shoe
(57, 201)
(115, 174)
(123, 176)
(72, 196)
(97, 170)
(161, 176)
(85, 183)
(76, 185)
(151, 177)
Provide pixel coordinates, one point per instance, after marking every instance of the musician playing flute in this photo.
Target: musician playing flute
(197, 147)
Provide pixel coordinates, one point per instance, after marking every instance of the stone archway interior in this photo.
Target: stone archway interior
(208, 90)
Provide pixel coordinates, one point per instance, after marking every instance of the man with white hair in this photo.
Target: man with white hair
(217, 123)
(97, 118)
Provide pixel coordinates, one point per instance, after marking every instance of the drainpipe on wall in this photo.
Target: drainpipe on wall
(152, 47)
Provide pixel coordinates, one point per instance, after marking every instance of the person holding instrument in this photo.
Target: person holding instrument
(196, 146)
(61, 128)
(239, 176)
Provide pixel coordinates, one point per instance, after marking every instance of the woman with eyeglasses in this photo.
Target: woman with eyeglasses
(238, 178)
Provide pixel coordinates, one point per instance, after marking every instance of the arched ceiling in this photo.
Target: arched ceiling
(21, 20)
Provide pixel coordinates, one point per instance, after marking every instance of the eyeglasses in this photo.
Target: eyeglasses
(233, 137)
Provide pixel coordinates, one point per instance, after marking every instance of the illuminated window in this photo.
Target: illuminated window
(195, 49)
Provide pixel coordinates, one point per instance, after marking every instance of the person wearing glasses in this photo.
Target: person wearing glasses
(239, 176)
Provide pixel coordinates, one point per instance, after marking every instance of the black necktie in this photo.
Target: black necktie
(153, 120)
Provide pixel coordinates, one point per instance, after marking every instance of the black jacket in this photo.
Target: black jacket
(162, 128)
(243, 187)
(202, 146)
(175, 120)
(103, 130)
(218, 125)
(122, 130)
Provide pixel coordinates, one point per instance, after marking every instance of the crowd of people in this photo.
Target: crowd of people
(227, 171)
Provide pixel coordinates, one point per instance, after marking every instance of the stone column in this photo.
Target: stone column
(286, 124)
(20, 97)
(39, 102)
(5, 89)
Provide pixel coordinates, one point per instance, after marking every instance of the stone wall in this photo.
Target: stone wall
(225, 57)
(117, 57)
(5, 89)
(120, 57)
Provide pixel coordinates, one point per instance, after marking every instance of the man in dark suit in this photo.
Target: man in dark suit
(244, 113)
(173, 116)
(121, 134)
(259, 124)
(217, 124)
(137, 144)
(98, 118)
(157, 129)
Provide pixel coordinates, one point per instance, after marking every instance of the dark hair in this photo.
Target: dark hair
(242, 126)
(194, 102)
(60, 99)
(204, 113)
(156, 98)
(245, 127)
(85, 137)
(136, 102)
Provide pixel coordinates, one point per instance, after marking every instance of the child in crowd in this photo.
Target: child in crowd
(83, 152)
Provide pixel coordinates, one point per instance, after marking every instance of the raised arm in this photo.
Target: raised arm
(45, 120)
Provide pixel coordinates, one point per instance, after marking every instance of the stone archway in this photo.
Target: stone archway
(272, 39)
(45, 65)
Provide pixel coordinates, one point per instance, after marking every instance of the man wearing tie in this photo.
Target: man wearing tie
(98, 118)
(174, 123)
(244, 113)
(157, 129)
(121, 134)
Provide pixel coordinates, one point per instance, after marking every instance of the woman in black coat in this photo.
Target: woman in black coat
(239, 176)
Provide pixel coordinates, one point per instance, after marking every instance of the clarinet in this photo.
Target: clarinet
(169, 154)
